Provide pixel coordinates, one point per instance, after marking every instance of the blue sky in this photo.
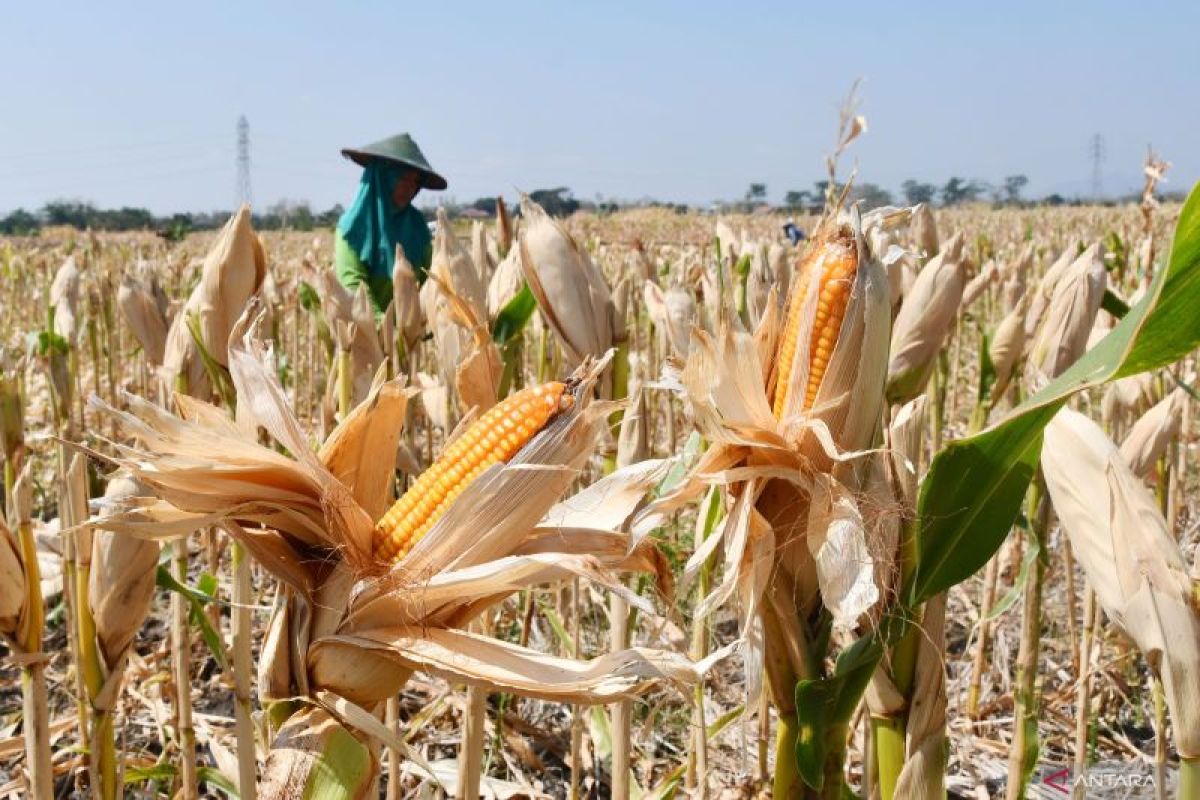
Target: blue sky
(136, 103)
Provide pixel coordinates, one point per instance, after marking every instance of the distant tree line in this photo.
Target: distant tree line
(558, 201)
(84, 215)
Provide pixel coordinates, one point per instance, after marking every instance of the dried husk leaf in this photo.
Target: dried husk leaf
(1125, 397)
(1045, 287)
(122, 580)
(145, 317)
(501, 666)
(758, 283)
(1017, 271)
(65, 294)
(12, 584)
(837, 541)
(314, 755)
(353, 451)
(452, 263)
(570, 290)
(507, 280)
(406, 301)
(975, 288)
(1063, 335)
(477, 375)
(1152, 434)
(451, 340)
(12, 409)
(673, 313)
(1131, 560)
(1007, 346)
(633, 441)
(780, 266)
(351, 318)
(233, 271)
(480, 254)
(924, 230)
(925, 319)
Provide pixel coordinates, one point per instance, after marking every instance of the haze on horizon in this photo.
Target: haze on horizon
(132, 104)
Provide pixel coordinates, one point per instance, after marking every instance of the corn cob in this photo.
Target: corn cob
(833, 262)
(495, 437)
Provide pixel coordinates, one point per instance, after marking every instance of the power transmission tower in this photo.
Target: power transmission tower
(243, 161)
(1096, 152)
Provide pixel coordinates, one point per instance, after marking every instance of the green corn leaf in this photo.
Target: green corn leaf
(973, 490)
(514, 316)
(217, 373)
(197, 599)
(1113, 304)
(217, 780)
(826, 705)
(160, 773)
(310, 299)
(342, 770)
(1032, 551)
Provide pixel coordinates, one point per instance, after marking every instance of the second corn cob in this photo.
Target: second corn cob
(495, 437)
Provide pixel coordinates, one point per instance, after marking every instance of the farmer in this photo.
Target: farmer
(382, 216)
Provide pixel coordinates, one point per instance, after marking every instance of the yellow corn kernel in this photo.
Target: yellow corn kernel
(834, 263)
(494, 437)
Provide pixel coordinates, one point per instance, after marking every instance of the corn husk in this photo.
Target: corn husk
(12, 584)
(975, 287)
(729, 242)
(759, 283)
(1126, 397)
(781, 269)
(1019, 268)
(1063, 335)
(233, 271)
(480, 253)
(451, 341)
(633, 441)
(1007, 346)
(65, 293)
(143, 312)
(924, 230)
(1131, 560)
(506, 283)
(122, 579)
(571, 291)
(925, 320)
(351, 452)
(1045, 288)
(477, 374)
(452, 263)
(673, 313)
(1153, 433)
(504, 228)
(406, 301)
(12, 414)
(351, 318)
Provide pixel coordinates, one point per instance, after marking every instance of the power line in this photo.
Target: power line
(109, 148)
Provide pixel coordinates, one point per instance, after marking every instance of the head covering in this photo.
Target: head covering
(398, 149)
(372, 226)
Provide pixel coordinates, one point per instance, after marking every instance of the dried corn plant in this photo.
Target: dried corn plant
(392, 594)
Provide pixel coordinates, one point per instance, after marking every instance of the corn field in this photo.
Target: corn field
(638, 505)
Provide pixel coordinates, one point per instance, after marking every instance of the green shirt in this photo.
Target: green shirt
(418, 249)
